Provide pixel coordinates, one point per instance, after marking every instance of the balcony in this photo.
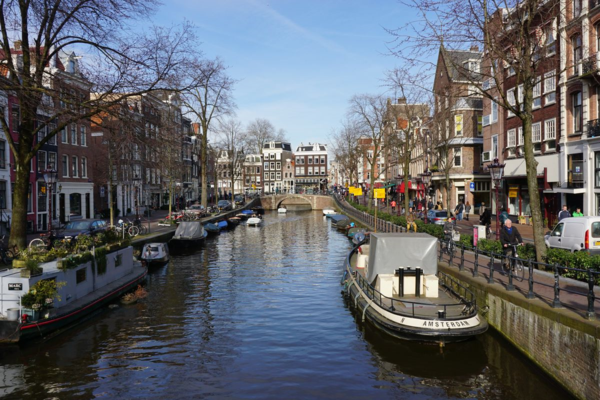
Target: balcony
(593, 128)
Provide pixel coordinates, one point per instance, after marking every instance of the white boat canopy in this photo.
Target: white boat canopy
(390, 251)
(189, 230)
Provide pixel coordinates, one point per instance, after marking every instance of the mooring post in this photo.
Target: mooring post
(476, 265)
(556, 302)
(591, 296)
(491, 276)
(530, 293)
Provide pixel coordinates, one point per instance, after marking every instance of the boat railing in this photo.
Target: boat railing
(459, 290)
(418, 309)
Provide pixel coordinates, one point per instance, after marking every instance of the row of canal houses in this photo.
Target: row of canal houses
(93, 155)
(566, 115)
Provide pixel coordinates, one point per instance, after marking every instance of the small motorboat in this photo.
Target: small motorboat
(282, 210)
(328, 211)
(211, 228)
(245, 214)
(155, 254)
(254, 220)
(354, 230)
(188, 234)
(394, 282)
(234, 221)
(222, 225)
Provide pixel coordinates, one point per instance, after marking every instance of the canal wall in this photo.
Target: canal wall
(563, 344)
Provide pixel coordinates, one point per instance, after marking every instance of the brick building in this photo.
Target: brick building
(311, 167)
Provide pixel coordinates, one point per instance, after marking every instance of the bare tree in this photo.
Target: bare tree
(120, 64)
(209, 98)
(261, 131)
(231, 138)
(517, 36)
(369, 113)
(346, 149)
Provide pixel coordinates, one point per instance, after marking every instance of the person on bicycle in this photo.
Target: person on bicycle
(509, 236)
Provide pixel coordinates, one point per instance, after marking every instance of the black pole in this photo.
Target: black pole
(556, 302)
(530, 293)
(591, 296)
(491, 276)
(476, 265)
(418, 272)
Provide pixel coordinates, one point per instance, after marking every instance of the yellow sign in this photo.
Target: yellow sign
(379, 193)
(351, 189)
(358, 191)
(513, 191)
(253, 186)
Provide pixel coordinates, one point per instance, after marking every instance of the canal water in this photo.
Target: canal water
(257, 313)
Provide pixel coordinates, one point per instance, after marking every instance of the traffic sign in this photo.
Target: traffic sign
(472, 185)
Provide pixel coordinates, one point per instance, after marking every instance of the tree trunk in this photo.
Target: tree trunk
(204, 165)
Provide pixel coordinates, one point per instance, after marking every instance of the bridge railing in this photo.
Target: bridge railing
(366, 218)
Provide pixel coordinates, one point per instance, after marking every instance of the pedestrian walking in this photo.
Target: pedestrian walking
(482, 208)
(564, 213)
(467, 210)
(578, 213)
(430, 204)
(458, 210)
(393, 204)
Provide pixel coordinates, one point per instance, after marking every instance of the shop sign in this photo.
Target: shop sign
(513, 191)
(379, 193)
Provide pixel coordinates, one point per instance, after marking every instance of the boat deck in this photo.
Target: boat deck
(422, 306)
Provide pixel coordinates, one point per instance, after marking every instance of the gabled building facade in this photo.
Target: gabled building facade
(311, 162)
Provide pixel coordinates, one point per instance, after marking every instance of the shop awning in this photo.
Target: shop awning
(400, 189)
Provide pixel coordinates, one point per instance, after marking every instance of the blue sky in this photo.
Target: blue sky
(298, 62)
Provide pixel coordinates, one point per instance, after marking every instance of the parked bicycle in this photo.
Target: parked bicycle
(126, 227)
(44, 242)
(516, 264)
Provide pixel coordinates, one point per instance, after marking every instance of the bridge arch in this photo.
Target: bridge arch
(294, 200)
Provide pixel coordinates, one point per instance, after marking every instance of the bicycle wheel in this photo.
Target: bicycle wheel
(37, 244)
(505, 265)
(133, 231)
(519, 270)
(143, 229)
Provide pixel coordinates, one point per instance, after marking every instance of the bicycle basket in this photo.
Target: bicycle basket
(456, 237)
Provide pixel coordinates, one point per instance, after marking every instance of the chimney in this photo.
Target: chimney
(18, 44)
(402, 100)
(474, 48)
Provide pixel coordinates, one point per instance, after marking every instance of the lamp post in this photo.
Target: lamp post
(426, 178)
(496, 169)
(50, 179)
(136, 181)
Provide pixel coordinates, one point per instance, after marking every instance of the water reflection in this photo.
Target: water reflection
(257, 313)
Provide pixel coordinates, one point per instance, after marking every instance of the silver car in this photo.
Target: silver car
(437, 217)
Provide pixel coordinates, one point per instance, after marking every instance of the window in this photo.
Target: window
(316, 160)
(576, 8)
(310, 170)
(494, 112)
(510, 97)
(458, 125)
(520, 137)
(42, 132)
(42, 197)
(550, 129)
(536, 132)
(65, 166)
(458, 157)
(272, 176)
(512, 137)
(52, 140)
(278, 176)
(272, 156)
(83, 167)
(479, 125)
(2, 195)
(81, 275)
(597, 169)
(278, 165)
(322, 160)
(550, 87)
(310, 160)
(495, 146)
(73, 134)
(63, 135)
(83, 138)
(577, 52)
(550, 33)
(322, 170)
(597, 29)
(41, 161)
(576, 109)
(15, 118)
(537, 94)
(297, 160)
(2, 154)
(266, 176)
(74, 165)
(29, 200)
(266, 166)
(273, 166)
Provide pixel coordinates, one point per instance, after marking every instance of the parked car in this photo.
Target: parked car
(239, 200)
(576, 234)
(82, 227)
(196, 209)
(224, 205)
(437, 217)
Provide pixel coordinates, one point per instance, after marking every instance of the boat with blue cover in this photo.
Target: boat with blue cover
(222, 225)
(211, 228)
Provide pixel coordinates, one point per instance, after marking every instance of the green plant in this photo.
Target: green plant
(84, 242)
(41, 295)
(101, 260)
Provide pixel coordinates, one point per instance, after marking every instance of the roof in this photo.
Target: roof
(454, 60)
(311, 147)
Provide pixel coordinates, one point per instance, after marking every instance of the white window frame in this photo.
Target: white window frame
(550, 129)
(458, 132)
(65, 166)
(537, 94)
(494, 146)
(510, 98)
(536, 132)
(494, 110)
(520, 137)
(549, 88)
(511, 138)
(457, 151)
(84, 167)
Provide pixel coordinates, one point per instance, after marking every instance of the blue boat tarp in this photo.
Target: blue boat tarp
(247, 212)
(222, 224)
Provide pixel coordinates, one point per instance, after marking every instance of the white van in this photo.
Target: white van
(575, 234)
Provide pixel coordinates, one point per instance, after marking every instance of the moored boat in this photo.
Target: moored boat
(222, 225)
(155, 254)
(233, 222)
(255, 220)
(211, 228)
(245, 214)
(282, 210)
(328, 211)
(81, 291)
(258, 210)
(354, 230)
(188, 234)
(394, 282)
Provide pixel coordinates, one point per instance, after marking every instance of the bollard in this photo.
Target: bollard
(530, 293)
(476, 265)
(556, 302)
(400, 272)
(510, 285)
(591, 296)
(491, 276)
(461, 267)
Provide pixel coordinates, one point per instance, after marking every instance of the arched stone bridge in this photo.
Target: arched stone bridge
(316, 202)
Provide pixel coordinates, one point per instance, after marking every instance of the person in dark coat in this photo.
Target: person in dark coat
(564, 213)
(509, 235)
(486, 219)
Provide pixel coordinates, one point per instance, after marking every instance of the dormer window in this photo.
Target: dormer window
(71, 66)
(471, 65)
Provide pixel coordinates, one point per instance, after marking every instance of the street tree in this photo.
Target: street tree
(208, 98)
(518, 38)
(261, 131)
(231, 139)
(118, 64)
(346, 150)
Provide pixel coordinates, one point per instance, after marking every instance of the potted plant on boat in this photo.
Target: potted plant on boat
(40, 297)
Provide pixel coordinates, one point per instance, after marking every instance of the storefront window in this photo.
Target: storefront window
(42, 196)
(525, 208)
(597, 169)
(513, 199)
(75, 201)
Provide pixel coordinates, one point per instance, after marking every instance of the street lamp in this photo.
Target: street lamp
(496, 169)
(426, 178)
(50, 179)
